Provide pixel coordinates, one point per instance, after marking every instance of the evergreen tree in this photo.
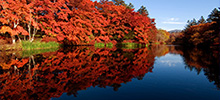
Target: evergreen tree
(143, 11)
(214, 16)
(191, 23)
(130, 6)
(201, 20)
(194, 22)
(119, 2)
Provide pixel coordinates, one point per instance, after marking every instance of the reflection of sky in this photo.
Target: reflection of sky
(164, 83)
(170, 60)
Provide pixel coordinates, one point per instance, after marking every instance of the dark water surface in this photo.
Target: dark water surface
(88, 73)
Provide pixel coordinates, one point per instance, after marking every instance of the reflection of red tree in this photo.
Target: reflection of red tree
(13, 62)
(160, 50)
(206, 60)
(73, 71)
(175, 50)
(201, 59)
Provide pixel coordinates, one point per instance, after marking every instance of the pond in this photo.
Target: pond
(160, 72)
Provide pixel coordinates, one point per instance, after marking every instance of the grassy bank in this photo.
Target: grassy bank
(27, 53)
(130, 45)
(103, 45)
(26, 45)
(25, 48)
(10, 47)
(127, 45)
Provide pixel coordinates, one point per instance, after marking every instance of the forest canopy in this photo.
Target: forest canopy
(75, 21)
(202, 32)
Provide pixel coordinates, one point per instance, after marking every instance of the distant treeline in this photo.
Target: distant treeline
(202, 32)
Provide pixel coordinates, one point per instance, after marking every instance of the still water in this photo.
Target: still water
(89, 73)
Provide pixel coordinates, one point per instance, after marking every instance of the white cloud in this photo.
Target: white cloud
(173, 22)
(171, 63)
(173, 19)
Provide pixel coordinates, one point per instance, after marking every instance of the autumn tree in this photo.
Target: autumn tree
(201, 32)
(126, 24)
(162, 36)
(176, 38)
(76, 21)
(13, 14)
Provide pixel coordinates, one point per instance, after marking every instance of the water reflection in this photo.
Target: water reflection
(51, 74)
(201, 59)
(48, 75)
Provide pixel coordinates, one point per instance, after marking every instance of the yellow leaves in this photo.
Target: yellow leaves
(5, 66)
(12, 32)
(162, 35)
(5, 29)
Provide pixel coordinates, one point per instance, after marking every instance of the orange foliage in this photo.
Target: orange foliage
(71, 71)
(78, 21)
(52, 74)
(201, 34)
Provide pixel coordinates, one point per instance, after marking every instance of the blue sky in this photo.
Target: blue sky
(173, 14)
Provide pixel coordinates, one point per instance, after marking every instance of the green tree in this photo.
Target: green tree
(119, 2)
(122, 2)
(214, 16)
(143, 11)
(130, 6)
(191, 23)
(201, 20)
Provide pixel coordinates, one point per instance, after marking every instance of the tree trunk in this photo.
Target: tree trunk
(19, 38)
(13, 39)
(29, 27)
(25, 37)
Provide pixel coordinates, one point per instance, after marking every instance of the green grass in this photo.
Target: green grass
(26, 45)
(27, 53)
(99, 45)
(130, 45)
(147, 45)
(109, 45)
(103, 45)
(156, 43)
